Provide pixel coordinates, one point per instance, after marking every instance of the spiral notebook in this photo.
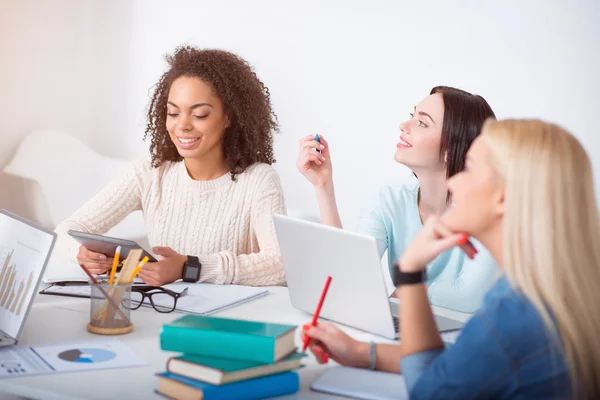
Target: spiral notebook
(201, 298)
(358, 383)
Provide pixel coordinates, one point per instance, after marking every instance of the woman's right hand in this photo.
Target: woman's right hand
(327, 341)
(95, 263)
(315, 166)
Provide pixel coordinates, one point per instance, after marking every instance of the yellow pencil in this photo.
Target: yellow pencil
(114, 265)
(133, 275)
(138, 268)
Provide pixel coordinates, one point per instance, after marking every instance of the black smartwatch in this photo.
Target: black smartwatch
(191, 269)
(407, 278)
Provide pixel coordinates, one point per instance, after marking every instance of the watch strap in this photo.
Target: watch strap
(407, 278)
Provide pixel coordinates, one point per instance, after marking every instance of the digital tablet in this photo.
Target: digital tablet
(108, 245)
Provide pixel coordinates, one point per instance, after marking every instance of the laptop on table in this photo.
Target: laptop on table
(24, 252)
(357, 296)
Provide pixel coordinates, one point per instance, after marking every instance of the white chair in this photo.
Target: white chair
(67, 173)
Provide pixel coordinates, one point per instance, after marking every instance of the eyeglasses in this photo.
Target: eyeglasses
(161, 299)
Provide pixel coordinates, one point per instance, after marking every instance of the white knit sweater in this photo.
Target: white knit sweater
(227, 224)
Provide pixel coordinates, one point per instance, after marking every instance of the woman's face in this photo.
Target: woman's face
(196, 120)
(477, 194)
(420, 136)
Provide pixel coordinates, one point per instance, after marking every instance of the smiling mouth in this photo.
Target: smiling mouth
(403, 143)
(187, 140)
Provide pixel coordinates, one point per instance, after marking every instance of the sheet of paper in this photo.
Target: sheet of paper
(60, 270)
(21, 360)
(207, 298)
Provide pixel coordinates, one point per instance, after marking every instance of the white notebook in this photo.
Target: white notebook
(361, 383)
(207, 298)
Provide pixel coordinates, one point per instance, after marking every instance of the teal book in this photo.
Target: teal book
(179, 387)
(220, 371)
(232, 339)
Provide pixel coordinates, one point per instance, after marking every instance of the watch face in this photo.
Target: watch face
(191, 272)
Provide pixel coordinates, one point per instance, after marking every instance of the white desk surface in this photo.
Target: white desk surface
(62, 319)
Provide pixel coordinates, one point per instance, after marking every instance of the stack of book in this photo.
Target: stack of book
(228, 359)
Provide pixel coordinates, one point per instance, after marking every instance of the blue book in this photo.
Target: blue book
(178, 387)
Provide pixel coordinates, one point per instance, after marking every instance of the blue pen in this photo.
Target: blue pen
(318, 141)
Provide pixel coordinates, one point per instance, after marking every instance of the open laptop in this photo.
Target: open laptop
(357, 296)
(24, 252)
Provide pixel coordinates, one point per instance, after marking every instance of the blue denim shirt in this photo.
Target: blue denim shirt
(503, 352)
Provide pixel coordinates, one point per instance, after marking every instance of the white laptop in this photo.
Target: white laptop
(357, 296)
(24, 252)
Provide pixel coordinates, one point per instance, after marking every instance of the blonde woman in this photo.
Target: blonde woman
(527, 195)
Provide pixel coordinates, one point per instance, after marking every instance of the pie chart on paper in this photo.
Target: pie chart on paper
(87, 355)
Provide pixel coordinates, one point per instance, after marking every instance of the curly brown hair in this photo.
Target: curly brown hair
(246, 101)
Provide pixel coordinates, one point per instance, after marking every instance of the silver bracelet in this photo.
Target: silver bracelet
(372, 355)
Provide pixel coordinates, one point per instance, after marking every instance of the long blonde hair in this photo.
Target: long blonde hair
(551, 236)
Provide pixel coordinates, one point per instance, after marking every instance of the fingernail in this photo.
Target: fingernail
(325, 358)
(463, 238)
(305, 327)
(102, 257)
(322, 146)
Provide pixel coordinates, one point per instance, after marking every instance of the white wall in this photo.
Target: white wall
(63, 67)
(352, 71)
(349, 70)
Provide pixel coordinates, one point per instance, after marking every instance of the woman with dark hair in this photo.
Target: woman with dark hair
(433, 144)
(207, 190)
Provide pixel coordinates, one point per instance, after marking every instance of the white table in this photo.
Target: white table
(63, 319)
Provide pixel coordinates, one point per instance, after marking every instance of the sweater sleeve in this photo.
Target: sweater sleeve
(467, 291)
(106, 209)
(262, 268)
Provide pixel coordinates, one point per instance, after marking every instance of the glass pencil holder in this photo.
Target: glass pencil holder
(110, 309)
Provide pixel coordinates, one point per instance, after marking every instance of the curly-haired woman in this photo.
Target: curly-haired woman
(207, 190)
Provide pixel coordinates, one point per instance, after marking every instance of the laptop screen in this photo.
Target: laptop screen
(24, 252)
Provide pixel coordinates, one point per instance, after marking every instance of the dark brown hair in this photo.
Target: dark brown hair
(464, 115)
(246, 102)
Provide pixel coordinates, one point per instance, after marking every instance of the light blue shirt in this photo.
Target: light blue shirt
(454, 281)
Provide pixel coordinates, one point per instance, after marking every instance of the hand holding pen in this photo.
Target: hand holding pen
(313, 323)
(314, 161)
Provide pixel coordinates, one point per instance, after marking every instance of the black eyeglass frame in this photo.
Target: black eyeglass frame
(143, 290)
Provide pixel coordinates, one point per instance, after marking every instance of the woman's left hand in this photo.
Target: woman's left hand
(167, 269)
(432, 240)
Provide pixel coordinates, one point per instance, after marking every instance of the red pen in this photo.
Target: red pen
(465, 244)
(306, 339)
